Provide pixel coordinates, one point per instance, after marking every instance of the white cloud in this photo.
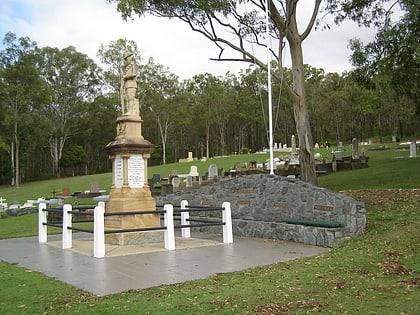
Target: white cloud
(86, 24)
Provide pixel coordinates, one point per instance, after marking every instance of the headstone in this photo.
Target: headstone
(65, 192)
(189, 182)
(355, 149)
(193, 171)
(340, 144)
(413, 148)
(213, 171)
(338, 155)
(175, 182)
(316, 145)
(276, 146)
(394, 138)
(190, 156)
(154, 180)
(294, 157)
(94, 187)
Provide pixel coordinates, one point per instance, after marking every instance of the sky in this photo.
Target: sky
(86, 24)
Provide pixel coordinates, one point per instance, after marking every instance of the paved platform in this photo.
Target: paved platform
(144, 266)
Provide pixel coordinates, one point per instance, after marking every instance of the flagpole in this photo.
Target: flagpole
(270, 101)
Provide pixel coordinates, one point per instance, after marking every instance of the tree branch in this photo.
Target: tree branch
(312, 21)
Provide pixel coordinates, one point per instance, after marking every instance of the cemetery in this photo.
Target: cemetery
(161, 212)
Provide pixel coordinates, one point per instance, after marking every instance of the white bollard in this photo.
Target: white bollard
(185, 232)
(227, 227)
(169, 224)
(67, 222)
(42, 218)
(99, 231)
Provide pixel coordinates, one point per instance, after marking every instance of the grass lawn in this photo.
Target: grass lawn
(375, 273)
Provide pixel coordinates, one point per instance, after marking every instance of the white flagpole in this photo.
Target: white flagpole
(270, 101)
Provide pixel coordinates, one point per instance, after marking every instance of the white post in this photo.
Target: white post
(67, 222)
(413, 147)
(185, 232)
(99, 231)
(169, 224)
(227, 219)
(42, 218)
(270, 98)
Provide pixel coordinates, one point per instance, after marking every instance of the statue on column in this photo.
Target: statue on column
(129, 102)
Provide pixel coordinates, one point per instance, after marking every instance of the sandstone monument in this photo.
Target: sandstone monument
(129, 153)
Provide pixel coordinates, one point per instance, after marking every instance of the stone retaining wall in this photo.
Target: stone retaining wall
(261, 203)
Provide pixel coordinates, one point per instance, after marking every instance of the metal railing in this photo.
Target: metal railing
(99, 223)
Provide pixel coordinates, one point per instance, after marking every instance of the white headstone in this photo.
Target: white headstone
(294, 157)
(193, 171)
(413, 148)
(213, 172)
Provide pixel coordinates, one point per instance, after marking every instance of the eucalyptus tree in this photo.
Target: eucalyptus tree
(239, 26)
(72, 81)
(207, 92)
(20, 92)
(112, 59)
(394, 55)
(158, 90)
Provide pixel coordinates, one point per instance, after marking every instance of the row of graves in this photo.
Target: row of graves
(286, 164)
(57, 198)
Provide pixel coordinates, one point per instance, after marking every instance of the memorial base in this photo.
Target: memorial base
(135, 238)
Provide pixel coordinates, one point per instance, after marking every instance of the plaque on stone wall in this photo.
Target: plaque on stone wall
(323, 208)
(118, 172)
(135, 170)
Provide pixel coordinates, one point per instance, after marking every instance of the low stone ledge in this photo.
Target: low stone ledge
(262, 203)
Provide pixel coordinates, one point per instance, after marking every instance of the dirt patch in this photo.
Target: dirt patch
(378, 196)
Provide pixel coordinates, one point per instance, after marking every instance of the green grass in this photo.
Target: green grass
(375, 273)
(385, 170)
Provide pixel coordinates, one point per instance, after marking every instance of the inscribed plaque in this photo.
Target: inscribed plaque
(135, 169)
(118, 172)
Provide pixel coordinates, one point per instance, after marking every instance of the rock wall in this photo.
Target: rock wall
(262, 203)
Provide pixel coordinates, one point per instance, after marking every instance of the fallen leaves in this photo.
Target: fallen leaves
(273, 308)
(391, 266)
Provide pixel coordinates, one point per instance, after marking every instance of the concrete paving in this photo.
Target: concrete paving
(144, 266)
